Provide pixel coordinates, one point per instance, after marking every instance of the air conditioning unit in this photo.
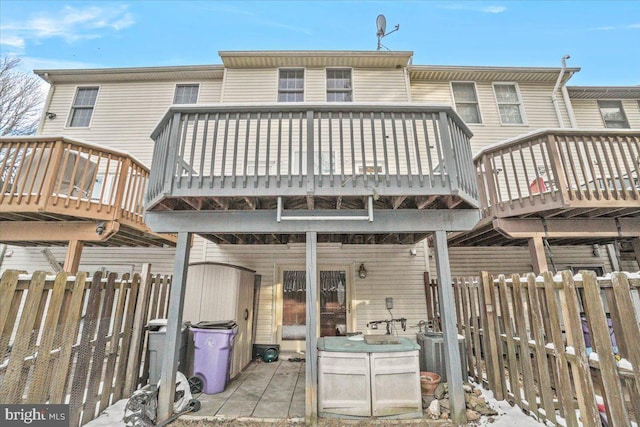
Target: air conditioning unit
(432, 354)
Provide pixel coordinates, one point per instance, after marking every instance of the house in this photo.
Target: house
(389, 140)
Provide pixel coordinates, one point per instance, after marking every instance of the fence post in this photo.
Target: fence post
(137, 338)
(492, 343)
(629, 335)
(580, 364)
(601, 342)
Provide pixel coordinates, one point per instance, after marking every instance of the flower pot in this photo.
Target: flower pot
(429, 382)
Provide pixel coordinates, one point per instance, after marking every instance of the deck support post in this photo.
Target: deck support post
(174, 326)
(538, 256)
(448, 318)
(72, 259)
(311, 362)
(635, 243)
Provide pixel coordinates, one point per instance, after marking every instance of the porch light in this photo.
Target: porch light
(362, 272)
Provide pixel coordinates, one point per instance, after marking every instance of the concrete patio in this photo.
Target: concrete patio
(263, 391)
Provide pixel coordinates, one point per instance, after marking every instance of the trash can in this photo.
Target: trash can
(213, 345)
(156, 345)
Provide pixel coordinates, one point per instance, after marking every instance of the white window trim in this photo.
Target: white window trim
(520, 103)
(326, 89)
(604, 122)
(475, 88)
(175, 89)
(73, 100)
(304, 82)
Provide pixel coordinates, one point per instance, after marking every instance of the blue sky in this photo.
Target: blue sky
(602, 37)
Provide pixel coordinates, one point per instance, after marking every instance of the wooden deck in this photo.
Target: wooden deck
(54, 189)
(570, 186)
(335, 159)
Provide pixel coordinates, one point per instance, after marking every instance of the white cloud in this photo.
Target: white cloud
(494, 9)
(619, 27)
(34, 63)
(71, 24)
(13, 41)
(473, 7)
(256, 18)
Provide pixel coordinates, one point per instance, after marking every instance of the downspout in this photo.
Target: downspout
(554, 98)
(47, 104)
(569, 106)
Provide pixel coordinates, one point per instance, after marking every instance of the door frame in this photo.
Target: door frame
(299, 345)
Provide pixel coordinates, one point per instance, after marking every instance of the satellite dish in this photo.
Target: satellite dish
(381, 23)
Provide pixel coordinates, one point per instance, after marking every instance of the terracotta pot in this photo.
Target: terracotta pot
(429, 382)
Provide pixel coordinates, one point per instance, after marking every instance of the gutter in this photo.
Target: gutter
(47, 103)
(554, 98)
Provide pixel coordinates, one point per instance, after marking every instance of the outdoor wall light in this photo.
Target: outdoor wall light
(51, 116)
(362, 272)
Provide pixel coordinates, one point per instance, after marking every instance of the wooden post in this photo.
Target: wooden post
(574, 338)
(538, 257)
(137, 335)
(448, 317)
(174, 327)
(635, 243)
(311, 363)
(72, 259)
(491, 338)
(601, 342)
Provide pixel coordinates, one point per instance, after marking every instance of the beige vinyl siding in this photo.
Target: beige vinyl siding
(536, 99)
(315, 85)
(391, 271)
(470, 261)
(250, 85)
(375, 85)
(125, 114)
(588, 114)
(120, 260)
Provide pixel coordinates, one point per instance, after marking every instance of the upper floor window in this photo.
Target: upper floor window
(466, 101)
(613, 114)
(186, 94)
(339, 88)
(291, 86)
(82, 108)
(509, 103)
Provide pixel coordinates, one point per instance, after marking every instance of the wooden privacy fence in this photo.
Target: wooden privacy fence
(75, 340)
(554, 345)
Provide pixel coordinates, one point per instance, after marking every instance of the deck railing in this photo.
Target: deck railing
(301, 149)
(556, 169)
(67, 177)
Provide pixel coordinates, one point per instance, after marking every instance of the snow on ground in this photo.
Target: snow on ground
(508, 416)
(110, 417)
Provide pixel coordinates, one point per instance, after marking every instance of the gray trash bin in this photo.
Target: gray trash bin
(157, 344)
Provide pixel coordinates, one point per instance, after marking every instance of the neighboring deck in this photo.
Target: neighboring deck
(574, 186)
(55, 189)
(323, 160)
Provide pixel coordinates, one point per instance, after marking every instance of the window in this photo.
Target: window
(82, 108)
(186, 94)
(339, 86)
(466, 101)
(509, 103)
(613, 114)
(291, 86)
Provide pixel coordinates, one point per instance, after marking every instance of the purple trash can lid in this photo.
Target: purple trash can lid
(218, 324)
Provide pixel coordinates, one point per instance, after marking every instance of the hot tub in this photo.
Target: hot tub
(356, 379)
